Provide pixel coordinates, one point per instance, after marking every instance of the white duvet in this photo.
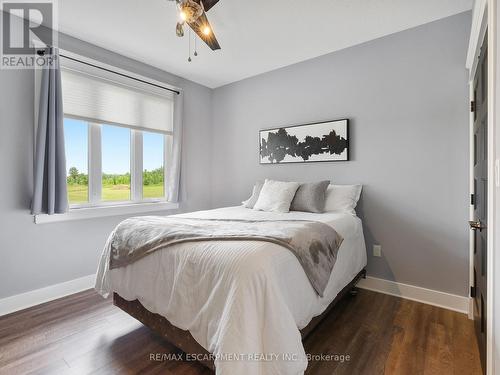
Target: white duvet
(243, 301)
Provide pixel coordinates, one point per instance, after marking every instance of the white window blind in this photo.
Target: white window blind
(111, 102)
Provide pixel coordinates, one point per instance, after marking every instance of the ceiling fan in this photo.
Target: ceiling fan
(193, 13)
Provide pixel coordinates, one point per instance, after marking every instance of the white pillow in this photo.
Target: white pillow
(276, 196)
(342, 198)
(250, 202)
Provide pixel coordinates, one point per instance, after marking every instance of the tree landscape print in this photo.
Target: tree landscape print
(325, 141)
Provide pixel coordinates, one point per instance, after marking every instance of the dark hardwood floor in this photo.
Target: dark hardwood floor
(85, 334)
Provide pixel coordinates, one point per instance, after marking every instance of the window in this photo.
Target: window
(76, 143)
(153, 174)
(116, 134)
(115, 163)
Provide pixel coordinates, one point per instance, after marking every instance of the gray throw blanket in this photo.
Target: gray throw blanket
(314, 244)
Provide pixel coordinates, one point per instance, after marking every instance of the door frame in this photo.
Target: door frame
(484, 18)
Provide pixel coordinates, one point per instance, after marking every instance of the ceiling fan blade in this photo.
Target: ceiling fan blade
(199, 26)
(208, 4)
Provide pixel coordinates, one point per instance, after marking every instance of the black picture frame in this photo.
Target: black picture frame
(296, 135)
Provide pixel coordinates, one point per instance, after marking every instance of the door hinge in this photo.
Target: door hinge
(473, 106)
(472, 291)
(472, 199)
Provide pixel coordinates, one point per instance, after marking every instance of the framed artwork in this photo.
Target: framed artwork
(315, 142)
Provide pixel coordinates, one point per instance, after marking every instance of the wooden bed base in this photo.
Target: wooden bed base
(185, 341)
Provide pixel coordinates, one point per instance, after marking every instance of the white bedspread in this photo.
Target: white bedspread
(241, 300)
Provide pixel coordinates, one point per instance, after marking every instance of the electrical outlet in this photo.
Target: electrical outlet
(377, 250)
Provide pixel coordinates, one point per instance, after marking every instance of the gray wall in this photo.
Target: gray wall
(34, 256)
(406, 97)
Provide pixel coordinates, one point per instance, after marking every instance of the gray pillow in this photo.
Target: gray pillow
(250, 202)
(310, 197)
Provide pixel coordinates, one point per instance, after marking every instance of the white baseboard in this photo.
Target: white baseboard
(471, 309)
(38, 296)
(411, 292)
(415, 293)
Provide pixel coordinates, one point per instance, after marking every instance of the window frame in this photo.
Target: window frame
(94, 166)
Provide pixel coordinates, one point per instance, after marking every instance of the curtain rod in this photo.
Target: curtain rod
(42, 52)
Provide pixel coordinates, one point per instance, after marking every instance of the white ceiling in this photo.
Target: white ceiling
(256, 35)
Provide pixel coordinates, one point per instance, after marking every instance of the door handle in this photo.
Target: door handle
(475, 225)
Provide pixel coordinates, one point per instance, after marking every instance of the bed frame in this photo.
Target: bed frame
(185, 341)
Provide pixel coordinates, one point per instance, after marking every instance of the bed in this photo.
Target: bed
(245, 302)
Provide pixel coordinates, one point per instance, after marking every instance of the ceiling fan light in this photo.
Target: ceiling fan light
(190, 11)
(206, 30)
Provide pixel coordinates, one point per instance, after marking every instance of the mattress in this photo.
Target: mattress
(243, 301)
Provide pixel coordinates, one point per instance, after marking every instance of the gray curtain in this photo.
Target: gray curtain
(50, 195)
(174, 157)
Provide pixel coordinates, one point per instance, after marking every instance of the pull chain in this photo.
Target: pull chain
(195, 49)
(189, 37)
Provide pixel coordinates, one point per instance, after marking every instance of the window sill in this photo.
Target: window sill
(103, 211)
